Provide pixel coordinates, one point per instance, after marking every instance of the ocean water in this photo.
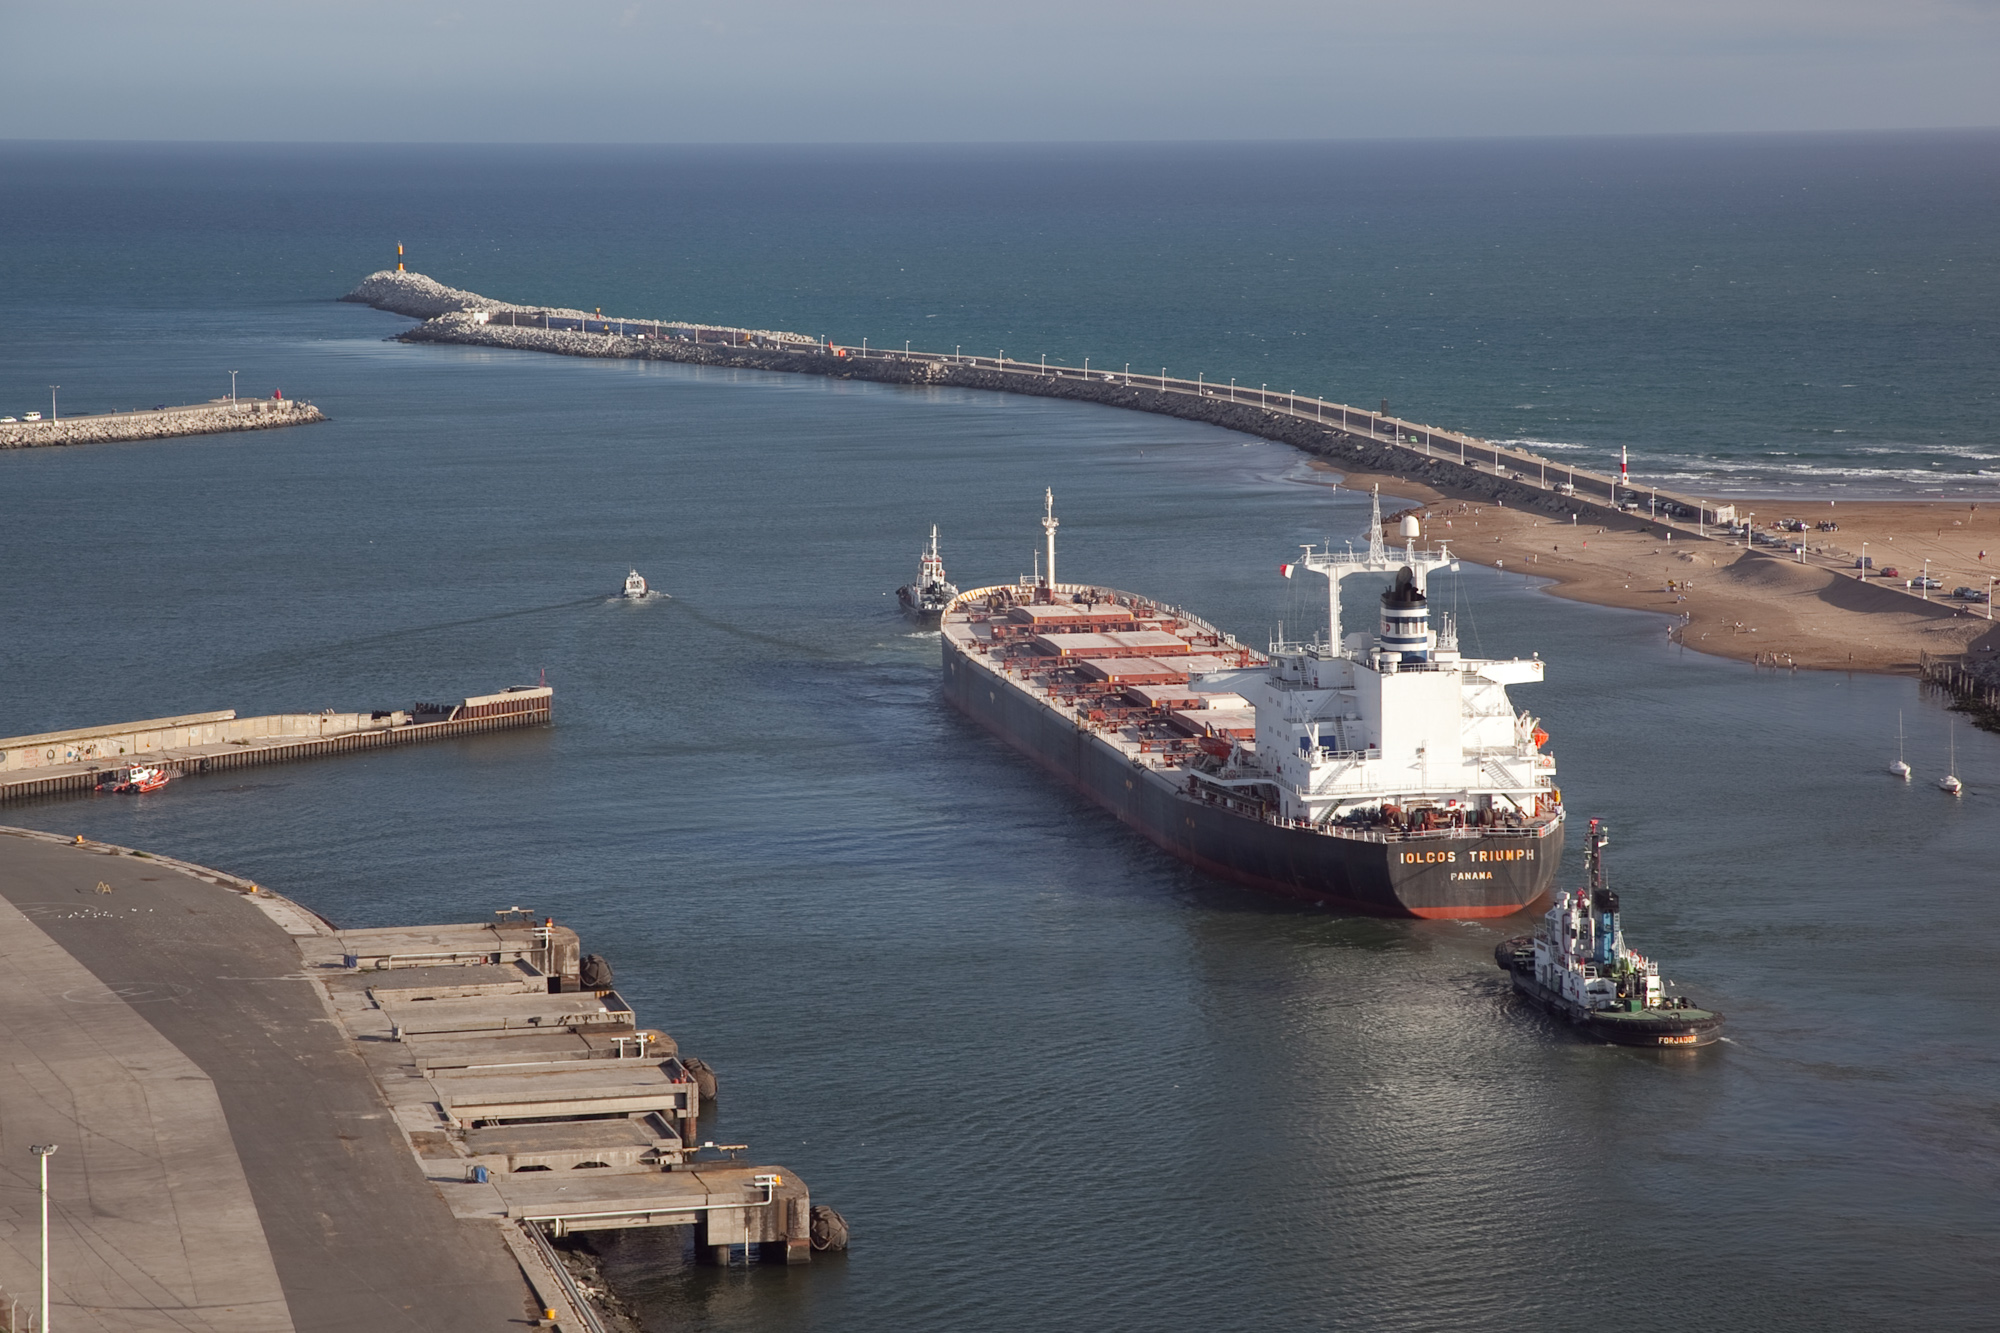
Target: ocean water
(1745, 314)
(1052, 1077)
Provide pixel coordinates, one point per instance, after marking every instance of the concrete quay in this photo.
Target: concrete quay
(211, 418)
(67, 762)
(248, 1140)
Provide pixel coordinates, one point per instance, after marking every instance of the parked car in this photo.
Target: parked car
(1864, 562)
(6, 421)
(1891, 572)
(32, 416)
(1924, 581)
(1965, 594)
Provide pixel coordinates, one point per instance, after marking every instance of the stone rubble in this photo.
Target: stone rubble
(246, 414)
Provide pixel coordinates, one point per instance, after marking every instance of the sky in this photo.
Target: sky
(718, 71)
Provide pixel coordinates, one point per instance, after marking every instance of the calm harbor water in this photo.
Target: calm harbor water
(1052, 1077)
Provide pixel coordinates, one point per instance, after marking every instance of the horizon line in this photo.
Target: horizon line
(1578, 136)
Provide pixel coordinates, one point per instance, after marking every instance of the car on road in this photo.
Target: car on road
(32, 416)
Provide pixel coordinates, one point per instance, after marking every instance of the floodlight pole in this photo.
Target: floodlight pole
(45, 1151)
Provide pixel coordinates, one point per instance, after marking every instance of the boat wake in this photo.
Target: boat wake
(289, 656)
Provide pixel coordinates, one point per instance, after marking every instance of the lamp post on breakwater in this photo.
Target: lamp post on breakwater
(52, 401)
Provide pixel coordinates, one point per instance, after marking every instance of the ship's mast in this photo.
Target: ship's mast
(1378, 560)
(930, 568)
(1049, 525)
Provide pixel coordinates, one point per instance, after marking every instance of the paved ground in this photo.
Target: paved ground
(225, 1161)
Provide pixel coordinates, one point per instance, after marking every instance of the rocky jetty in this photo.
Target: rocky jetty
(419, 297)
(204, 419)
(479, 321)
(403, 293)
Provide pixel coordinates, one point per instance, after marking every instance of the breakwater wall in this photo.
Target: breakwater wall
(1451, 462)
(160, 423)
(58, 762)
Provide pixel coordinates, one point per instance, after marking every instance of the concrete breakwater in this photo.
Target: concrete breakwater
(1451, 462)
(160, 423)
(77, 760)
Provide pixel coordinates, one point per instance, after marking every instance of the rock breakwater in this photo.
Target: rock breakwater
(1445, 462)
(205, 419)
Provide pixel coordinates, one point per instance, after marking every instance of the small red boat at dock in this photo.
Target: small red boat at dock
(137, 780)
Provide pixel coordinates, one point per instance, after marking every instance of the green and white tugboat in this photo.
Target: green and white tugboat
(1576, 965)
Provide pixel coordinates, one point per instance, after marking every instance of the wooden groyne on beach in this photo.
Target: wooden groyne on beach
(1972, 686)
(160, 423)
(62, 762)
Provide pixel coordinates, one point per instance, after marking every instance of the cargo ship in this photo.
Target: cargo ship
(1577, 967)
(1378, 772)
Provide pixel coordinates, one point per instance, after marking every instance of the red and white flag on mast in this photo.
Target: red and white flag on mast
(1286, 570)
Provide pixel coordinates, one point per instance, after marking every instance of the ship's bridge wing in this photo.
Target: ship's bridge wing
(1519, 671)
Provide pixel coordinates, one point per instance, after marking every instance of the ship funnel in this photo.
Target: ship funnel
(1406, 616)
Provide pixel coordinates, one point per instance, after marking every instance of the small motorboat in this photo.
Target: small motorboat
(1949, 783)
(1899, 768)
(137, 780)
(635, 587)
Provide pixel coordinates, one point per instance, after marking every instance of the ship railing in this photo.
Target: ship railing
(1379, 834)
(1129, 600)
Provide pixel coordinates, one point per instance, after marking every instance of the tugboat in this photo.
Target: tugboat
(137, 781)
(1577, 966)
(927, 598)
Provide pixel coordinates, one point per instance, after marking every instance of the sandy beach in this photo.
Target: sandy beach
(1761, 604)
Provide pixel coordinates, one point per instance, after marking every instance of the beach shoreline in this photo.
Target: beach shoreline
(1753, 604)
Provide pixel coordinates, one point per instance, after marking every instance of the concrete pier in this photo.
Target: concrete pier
(74, 761)
(250, 1139)
(211, 418)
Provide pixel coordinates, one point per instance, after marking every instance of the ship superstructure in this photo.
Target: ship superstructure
(1382, 771)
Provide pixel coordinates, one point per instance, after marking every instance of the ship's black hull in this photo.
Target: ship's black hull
(1466, 875)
